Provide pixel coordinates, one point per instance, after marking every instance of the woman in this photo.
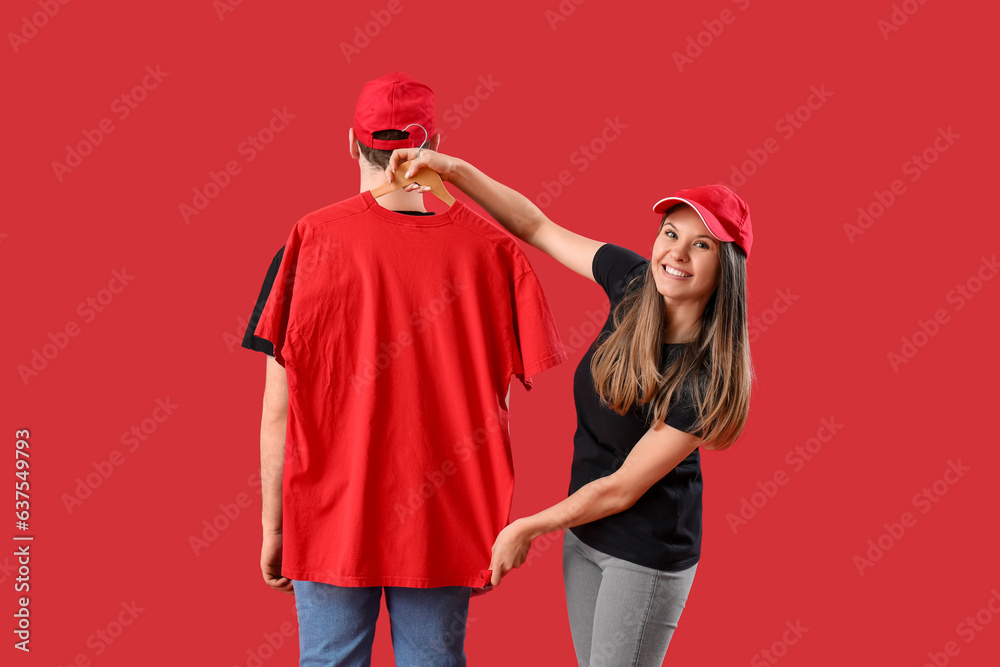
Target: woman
(670, 372)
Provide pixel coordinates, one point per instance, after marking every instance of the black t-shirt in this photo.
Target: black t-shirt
(252, 342)
(662, 530)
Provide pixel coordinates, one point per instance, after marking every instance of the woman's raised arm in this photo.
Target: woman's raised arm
(510, 208)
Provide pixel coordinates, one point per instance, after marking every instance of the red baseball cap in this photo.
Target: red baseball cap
(393, 102)
(723, 212)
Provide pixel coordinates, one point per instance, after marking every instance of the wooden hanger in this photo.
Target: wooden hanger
(426, 177)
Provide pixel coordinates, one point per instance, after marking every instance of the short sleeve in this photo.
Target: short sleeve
(682, 413)
(537, 341)
(614, 267)
(274, 318)
(250, 341)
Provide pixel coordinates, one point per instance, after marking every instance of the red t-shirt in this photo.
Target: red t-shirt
(398, 335)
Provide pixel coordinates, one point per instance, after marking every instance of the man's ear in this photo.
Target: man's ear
(435, 141)
(353, 140)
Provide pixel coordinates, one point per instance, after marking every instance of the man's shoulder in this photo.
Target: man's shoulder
(345, 208)
(492, 233)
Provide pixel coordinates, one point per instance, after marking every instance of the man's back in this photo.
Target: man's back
(399, 334)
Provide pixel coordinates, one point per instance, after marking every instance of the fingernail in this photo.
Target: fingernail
(408, 172)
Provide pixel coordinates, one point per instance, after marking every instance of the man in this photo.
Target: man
(392, 333)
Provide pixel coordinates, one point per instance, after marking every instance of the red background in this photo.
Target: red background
(172, 331)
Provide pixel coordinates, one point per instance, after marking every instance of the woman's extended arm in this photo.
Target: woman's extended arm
(511, 209)
(658, 452)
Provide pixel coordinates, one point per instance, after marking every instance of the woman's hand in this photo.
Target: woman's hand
(510, 550)
(443, 164)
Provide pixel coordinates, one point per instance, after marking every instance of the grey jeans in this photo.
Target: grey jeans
(621, 614)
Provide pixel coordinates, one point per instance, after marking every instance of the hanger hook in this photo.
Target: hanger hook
(426, 136)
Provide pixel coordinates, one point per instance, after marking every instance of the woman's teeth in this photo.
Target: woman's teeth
(675, 272)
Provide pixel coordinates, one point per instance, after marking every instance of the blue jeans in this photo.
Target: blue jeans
(620, 614)
(337, 624)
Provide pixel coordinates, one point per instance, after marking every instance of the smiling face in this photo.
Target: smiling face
(685, 258)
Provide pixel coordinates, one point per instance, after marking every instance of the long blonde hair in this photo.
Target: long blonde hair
(625, 365)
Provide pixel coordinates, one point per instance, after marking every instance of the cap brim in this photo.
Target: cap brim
(711, 223)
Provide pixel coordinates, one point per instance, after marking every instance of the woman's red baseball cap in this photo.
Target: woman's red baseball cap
(723, 212)
(393, 102)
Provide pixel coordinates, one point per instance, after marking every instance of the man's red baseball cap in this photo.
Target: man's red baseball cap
(393, 102)
(723, 212)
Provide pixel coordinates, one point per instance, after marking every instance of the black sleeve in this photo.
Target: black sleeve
(682, 414)
(250, 341)
(614, 268)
